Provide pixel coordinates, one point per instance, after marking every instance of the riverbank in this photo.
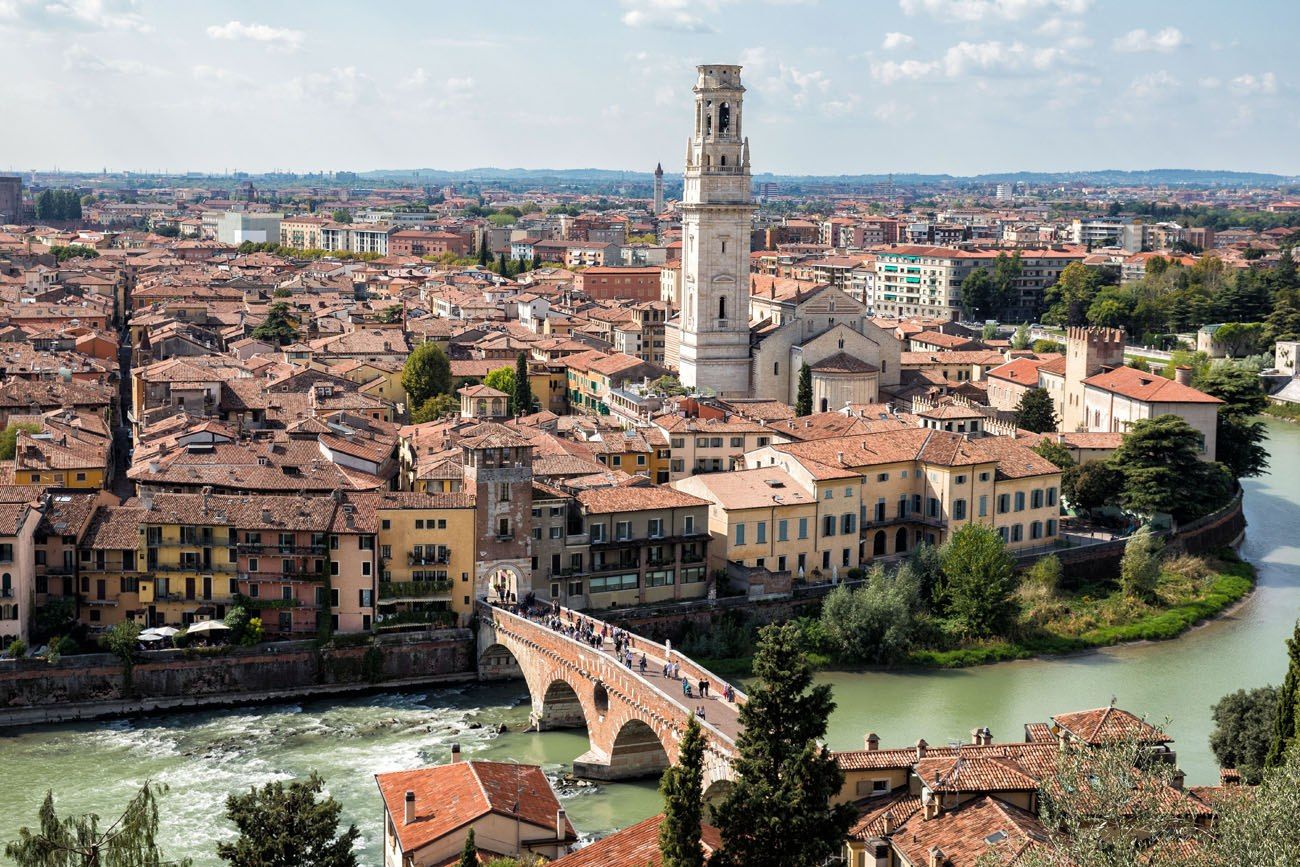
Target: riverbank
(1283, 411)
(1088, 618)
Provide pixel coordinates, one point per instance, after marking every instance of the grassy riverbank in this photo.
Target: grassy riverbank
(1284, 411)
(1190, 590)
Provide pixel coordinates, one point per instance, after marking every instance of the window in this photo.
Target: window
(959, 510)
(803, 528)
(419, 523)
(737, 442)
(598, 532)
(740, 534)
(1020, 501)
(848, 492)
(1036, 530)
(848, 523)
(760, 533)
(1017, 532)
(1051, 526)
(688, 525)
(659, 578)
(656, 528)
(623, 530)
(1051, 496)
(385, 524)
(882, 477)
(1036, 498)
(1004, 503)
(503, 527)
(782, 530)
(984, 505)
(932, 508)
(828, 525)
(556, 532)
(984, 477)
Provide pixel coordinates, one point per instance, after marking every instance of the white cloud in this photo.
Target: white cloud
(273, 37)
(895, 40)
(1247, 83)
(1163, 41)
(678, 15)
(218, 75)
(1153, 85)
(992, 58)
(342, 86)
(76, 58)
(890, 71)
(892, 112)
(982, 10)
(72, 15)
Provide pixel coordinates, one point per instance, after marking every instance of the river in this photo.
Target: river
(204, 756)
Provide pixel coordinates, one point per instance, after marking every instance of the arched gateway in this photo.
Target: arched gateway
(634, 721)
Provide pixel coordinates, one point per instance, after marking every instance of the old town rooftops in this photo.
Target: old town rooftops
(1147, 387)
(636, 497)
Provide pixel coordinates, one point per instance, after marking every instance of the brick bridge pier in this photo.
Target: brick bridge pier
(633, 721)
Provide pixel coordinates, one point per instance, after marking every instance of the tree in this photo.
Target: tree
(503, 267)
(1284, 715)
(484, 254)
(1239, 439)
(502, 379)
(469, 853)
(392, 313)
(803, 404)
(979, 578)
(244, 628)
(280, 325)
(1069, 298)
(121, 641)
(1020, 338)
(9, 437)
(1091, 485)
(874, 623)
(435, 408)
(1036, 412)
(1058, 454)
(1243, 730)
(1006, 294)
(977, 295)
(682, 786)
(521, 397)
(427, 372)
(78, 841)
(1258, 826)
(286, 825)
(1241, 338)
(342, 215)
(1139, 568)
(1162, 470)
(779, 812)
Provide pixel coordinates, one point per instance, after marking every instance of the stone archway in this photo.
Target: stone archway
(713, 795)
(498, 663)
(878, 544)
(503, 583)
(560, 708)
(900, 541)
(637, 752)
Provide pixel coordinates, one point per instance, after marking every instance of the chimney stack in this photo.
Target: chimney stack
(1229, 777)
(873, 742)
(887, 824)
(937, 857)
(560, 822)
(409, 816)
(976, 736)
(920, 748)
(455, 753)
(1183, 375)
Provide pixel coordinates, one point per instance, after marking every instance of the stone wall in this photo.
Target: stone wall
(93, 685)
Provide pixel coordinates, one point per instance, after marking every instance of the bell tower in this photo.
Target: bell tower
(717, 206)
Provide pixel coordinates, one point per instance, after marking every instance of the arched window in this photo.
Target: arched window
(722, 307)
(724, 119)
(723, 160)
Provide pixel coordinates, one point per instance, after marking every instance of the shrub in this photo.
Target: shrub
(1139, 570)
(17, 648)
(876, 622)
(1187, 567)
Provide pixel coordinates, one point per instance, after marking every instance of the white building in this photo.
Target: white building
(236, 227)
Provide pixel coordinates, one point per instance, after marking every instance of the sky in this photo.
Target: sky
(833, 86)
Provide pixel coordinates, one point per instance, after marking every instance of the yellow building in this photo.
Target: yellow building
(187, 559)
(426, 557)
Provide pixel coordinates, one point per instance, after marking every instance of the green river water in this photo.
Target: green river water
(204, 756)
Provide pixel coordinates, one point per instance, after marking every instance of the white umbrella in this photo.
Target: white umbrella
(206, 626)
(164, 631)
(149, 636)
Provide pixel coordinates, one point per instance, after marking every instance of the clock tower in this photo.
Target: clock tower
(717, 206)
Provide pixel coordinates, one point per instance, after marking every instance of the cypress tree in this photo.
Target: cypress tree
(683, 790)
(779, 813)
(469, 854)
(804, 404)
(521, 401)
(483, 253)
(1284, 721)
(503, 267)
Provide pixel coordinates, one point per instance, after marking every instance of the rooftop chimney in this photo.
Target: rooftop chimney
(560, 822)
(873, 742)
(937, 857)
(1178, 779)
(1183, 375)
(455, 753)
(887, 824)
(920, 748)
(409, 815)
(976, 736)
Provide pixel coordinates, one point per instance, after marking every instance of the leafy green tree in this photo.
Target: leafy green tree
(989, 331)
(279, 326)
(979, 578)
(427, 373)
(1284, 716)
(9, 437)
(469, 852)
(1036, 412)
(503, 267)
(1058, 454)
(804, 398)
(1091, 485)
(1241, 338)
(682, 786)
(1258, 827)
(392, 313)
(977, 295)
(79, 841)
(521, 397)
(1044, 346)
(1243, 730)
(925, 563)
(1006, 294)
(668, 385)
(1160, 463)
(779, 812)
(1239, 438)
(1069, 298)
(341, 215)
(122, 640)
(874, 623)
(17, 648)
(285, 825)
(245, 629)
(435, 408)
(1020, 339)
(502, 379)
(1139, 568)
(502, 219)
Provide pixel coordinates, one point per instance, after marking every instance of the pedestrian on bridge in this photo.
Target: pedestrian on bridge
(642, 664)
(704, 688)
(686, 688)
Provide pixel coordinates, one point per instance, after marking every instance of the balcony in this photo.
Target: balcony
(193, 542)
(274, 548)
(393, 591)
(429, 558)
(291, 575)
(192, 568)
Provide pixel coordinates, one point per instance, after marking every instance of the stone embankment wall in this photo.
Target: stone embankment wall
(93, 685)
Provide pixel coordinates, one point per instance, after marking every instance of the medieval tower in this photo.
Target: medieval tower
(1088, 352)
(717, 205)
(659, 189)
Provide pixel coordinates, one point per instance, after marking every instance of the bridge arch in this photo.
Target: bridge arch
(498, 662)
(560, 708)
(637, 751)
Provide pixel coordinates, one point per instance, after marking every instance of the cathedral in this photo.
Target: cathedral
(743, 336)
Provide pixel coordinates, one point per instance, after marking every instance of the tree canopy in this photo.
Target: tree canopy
(978, 580)
(1036, 412)
(279, 326)
(682, 786)
(427, 373)
(80, 841)
(288, 825)
(1160, 463)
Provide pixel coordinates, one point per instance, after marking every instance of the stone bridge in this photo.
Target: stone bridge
(633, 720)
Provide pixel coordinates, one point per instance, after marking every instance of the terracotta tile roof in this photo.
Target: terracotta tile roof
(980, 773)
(1022, 371)
(634, 846)
(1147, 387)
(977, 828)
(1109, 724)
(449, 797)
(842, 362)
(631, 499)
(897, 808)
